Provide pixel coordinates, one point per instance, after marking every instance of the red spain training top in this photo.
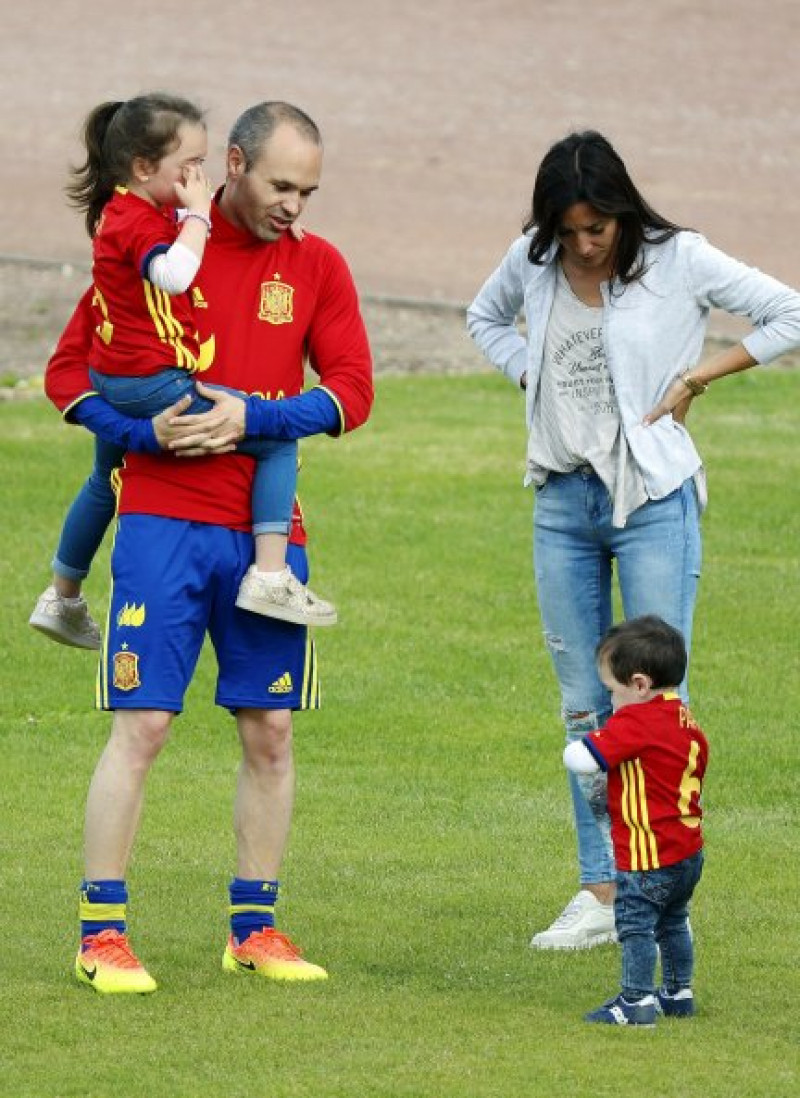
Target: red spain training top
(656, 757)
(269, 308)
(139, 329)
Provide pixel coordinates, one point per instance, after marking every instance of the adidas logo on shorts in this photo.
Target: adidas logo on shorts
(283, 685)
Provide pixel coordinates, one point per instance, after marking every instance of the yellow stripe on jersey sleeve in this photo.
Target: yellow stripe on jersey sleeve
(339, 408)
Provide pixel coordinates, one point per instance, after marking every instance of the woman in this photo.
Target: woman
(616, 301)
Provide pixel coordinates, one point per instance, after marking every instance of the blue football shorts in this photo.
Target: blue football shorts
(172, 582)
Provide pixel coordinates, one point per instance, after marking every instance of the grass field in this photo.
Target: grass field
(432, 832)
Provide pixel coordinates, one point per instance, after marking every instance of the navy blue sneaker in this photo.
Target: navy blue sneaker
(678, 1005)
(619, 1012)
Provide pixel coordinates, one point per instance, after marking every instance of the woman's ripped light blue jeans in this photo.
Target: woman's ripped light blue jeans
(657, 556)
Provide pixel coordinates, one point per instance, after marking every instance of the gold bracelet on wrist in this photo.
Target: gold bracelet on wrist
(695, 387)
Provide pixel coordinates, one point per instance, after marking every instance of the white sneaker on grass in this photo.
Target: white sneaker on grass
(583, 923)
(281, 595)
(66, 621)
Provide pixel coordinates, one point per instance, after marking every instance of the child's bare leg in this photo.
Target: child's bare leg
(67, 588)
(271, 552)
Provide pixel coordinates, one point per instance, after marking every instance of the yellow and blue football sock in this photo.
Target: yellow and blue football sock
(252, 907)
(102, 906)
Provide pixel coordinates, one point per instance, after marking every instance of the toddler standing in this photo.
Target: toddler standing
(655, 757)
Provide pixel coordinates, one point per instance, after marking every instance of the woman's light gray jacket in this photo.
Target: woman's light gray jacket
(653, 330)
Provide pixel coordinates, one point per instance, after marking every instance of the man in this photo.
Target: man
(269, 302)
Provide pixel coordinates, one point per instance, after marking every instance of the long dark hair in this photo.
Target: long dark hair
(585, 167)
(115, 134)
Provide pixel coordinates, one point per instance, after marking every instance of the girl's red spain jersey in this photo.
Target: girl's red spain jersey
(139, 329)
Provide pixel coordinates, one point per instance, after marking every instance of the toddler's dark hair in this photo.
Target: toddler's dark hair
(646, 645)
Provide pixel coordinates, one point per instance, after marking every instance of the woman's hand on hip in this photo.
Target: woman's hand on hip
(676, 401)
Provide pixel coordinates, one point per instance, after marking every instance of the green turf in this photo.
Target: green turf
(432, 832)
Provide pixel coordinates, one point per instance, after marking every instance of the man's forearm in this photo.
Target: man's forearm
(97, 416)
(313, 413)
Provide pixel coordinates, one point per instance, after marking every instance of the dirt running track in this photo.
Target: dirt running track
(435, 114)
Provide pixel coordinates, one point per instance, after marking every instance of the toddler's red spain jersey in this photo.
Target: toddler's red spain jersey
(656, 758)
(139, 329)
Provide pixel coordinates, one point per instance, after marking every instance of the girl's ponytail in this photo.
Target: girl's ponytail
(117, 133)
(93, 182)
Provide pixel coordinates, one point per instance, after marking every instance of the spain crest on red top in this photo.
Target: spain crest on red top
(276, 301)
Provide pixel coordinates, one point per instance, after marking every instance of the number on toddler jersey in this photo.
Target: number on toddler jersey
(690, 787)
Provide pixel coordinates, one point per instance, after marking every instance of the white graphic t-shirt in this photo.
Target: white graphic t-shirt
(576, 419)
